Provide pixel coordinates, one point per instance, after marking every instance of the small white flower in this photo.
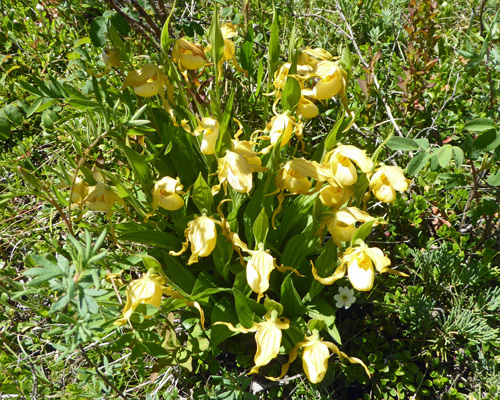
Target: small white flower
(39, 7)
(345, 298)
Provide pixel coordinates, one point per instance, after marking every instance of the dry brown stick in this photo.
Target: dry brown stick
(146, 16)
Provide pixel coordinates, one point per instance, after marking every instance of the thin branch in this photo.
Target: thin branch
(102, 376)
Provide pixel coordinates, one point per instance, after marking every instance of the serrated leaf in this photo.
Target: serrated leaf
(480, 125)
(487, 141)
(401, 143)
(418, 162)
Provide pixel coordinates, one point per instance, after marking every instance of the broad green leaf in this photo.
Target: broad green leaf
(246, 51)
(291, 94)
(155, 350)
(4, 125)
(14, 114)
(325, 265)
(297, 249)
(202, 195)
(138, 163)
(418, 162)
(445, 155)
(401, 143)
(154, 238)
(423, 143)
(487, 141)
(494, 179)
(204, 282)
(261, 227)
(222, 255)
(290, 298)
(315, 324)
(223, 311)
(480, 125)
(245, 314)
(321, 309)
(459, 156)
(98, 31)
(361, 233)
(179, 274)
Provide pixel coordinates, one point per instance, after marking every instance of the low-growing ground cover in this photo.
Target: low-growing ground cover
(253, 200)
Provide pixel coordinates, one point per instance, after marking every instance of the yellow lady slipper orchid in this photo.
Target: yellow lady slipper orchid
(293, 176)
(268, 337)
(235, 169)
(146, 290)
(386, 181)
(102, 197)
(333, 80)
(339, 162)
(229, 31)
(335, 196)
(188, 55)
(358, 263)
(148, 81)
(79, 191)
(111, 59)
(281, 126)
(306, 108)
(259, 269)
(165, 194)
(342, 224)
(315, 355)
(149, 290)
(202, 234)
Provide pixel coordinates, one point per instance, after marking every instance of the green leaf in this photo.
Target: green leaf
(179, 274)
(155, 350)
(321, 309)
(325, 265)
(494, 179)
(217, 41)
(138, 163)
(459, 156)
(246, 51)
(274, 43)
(444, 156)
(290, 298)
(418, 162)
(423, 143)
(315, 324)
(222, 255)
(245, 314)
(401, 143)
(4, 125)
(48, 271)
(271, 305)
(331, 139)
(487, 141)
(261, 227)
(291, 94)
(202, 195)
(14, 114)
(480, 125)
(98, 31)
(154, 238)
(361, 233)
(223, 311)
